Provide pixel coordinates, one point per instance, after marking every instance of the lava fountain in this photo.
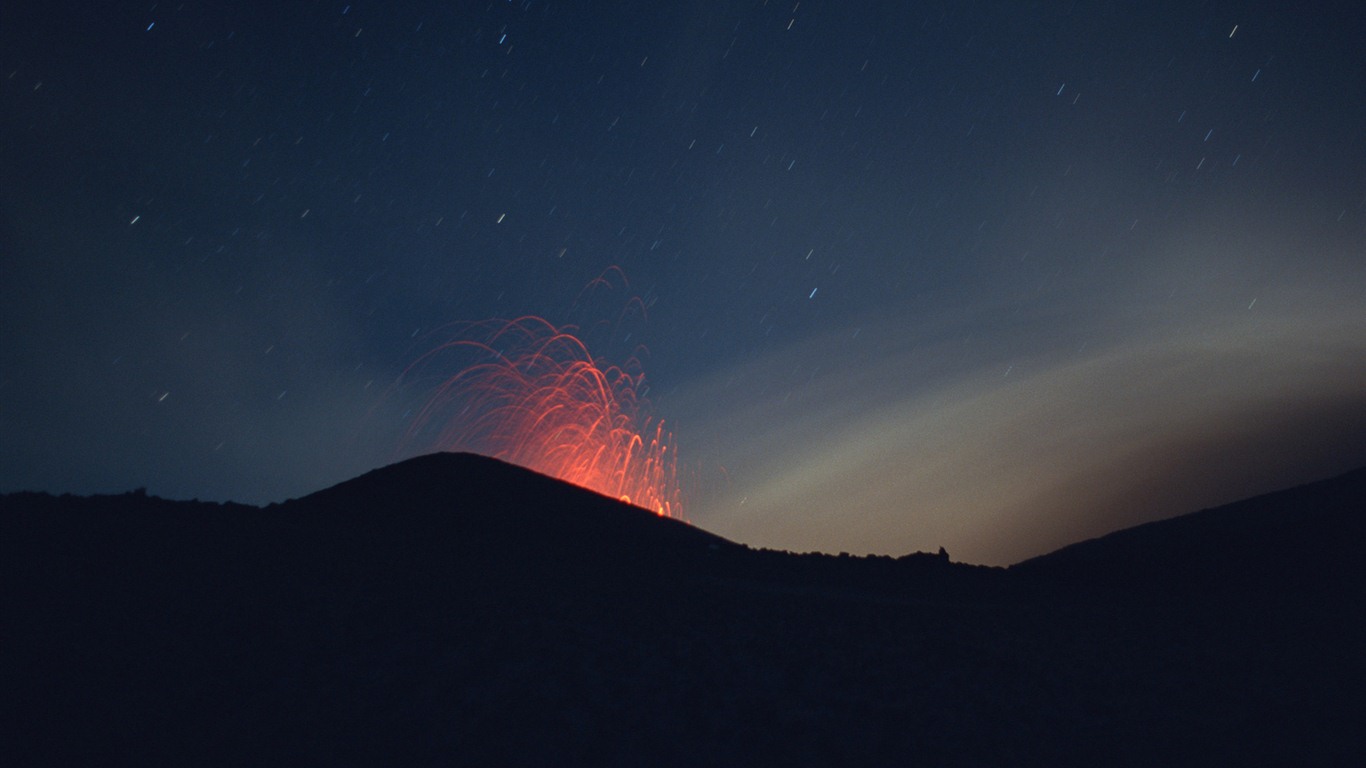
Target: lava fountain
(532, 394)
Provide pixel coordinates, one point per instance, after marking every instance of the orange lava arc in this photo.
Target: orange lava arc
(536, 397)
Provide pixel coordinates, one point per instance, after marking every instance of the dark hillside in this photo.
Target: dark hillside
(1284, 542)
(453, 609)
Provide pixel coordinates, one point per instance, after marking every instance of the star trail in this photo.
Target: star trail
(992, 277)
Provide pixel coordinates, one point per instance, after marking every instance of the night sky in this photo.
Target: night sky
(986, 275)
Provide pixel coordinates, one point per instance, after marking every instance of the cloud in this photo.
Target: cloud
(1065, 420)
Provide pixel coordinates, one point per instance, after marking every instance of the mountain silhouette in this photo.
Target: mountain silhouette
(1288, 543)
(456, 610)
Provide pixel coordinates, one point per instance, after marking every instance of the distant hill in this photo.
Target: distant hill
(453, 609)
(1292, 542)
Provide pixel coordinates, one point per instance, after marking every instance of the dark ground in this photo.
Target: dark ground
(456, 610)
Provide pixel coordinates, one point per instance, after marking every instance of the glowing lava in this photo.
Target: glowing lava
(534, 396)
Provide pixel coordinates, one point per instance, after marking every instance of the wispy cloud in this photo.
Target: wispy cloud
(1096, 411)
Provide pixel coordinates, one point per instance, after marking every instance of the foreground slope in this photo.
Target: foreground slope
(452, 609)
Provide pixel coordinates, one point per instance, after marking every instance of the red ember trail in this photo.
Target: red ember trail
(536, 397)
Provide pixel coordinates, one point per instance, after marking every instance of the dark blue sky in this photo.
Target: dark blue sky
(988, 275)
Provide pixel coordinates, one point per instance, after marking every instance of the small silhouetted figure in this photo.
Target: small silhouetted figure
(943, 554)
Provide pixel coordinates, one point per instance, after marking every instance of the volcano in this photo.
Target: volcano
(454, 609)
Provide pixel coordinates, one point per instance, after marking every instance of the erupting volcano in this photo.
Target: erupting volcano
(530, 393)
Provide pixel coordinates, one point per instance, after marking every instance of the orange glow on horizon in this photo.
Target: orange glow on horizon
(536, 397)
